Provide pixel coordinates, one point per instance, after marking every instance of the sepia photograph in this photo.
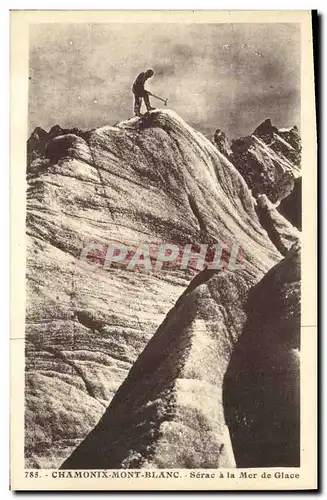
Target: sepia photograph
(163, 236)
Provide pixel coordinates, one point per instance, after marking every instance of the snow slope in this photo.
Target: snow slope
(150, 180)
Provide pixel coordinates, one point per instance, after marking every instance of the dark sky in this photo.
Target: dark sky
(227, 76)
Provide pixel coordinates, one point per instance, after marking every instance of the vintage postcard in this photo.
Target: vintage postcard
(163, 251)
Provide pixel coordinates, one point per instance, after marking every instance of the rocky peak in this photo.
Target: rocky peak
(292, 136)
(39, 140)
(221, 141)
(37, 134)
(269, 160)
(55, 130)
(265, 130)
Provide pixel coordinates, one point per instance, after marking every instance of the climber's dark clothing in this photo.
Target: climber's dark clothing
(138, 103)
(140, 93)
(138, 85)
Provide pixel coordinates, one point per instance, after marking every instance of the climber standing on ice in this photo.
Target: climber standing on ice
(141, 93)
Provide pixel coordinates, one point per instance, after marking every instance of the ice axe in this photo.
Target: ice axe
(160, 98)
